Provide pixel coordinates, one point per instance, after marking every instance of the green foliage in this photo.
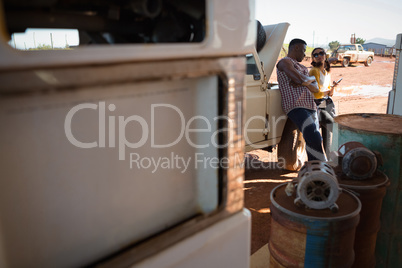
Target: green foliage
(308, 51)
(49, 47)
(42, 47)
(284, 51)
(360, 41)
(333, 45)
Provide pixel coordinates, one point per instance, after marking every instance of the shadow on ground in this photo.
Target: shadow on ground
(262, 174)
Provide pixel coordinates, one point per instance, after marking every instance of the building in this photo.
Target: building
(379, 49)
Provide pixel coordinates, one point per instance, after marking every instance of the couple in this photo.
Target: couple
(301, 90)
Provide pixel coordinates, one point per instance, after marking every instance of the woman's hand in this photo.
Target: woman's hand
(331, 91)
(334, 83)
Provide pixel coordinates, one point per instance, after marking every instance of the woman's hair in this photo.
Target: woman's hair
(327, 66)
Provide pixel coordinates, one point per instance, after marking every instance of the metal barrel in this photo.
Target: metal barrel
(381, 133)
(312, 238)
(370, 193)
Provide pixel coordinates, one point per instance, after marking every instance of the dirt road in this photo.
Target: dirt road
(362, 90)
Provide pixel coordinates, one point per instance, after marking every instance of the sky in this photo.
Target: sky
(34, 37)
(320, 22)
(317, 22)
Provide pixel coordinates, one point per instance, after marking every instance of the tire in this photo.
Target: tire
(368, 62)
(292, 147)
(261, 37)
(345, 62)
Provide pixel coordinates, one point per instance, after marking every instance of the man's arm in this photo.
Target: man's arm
(287, 67)
(313, 87)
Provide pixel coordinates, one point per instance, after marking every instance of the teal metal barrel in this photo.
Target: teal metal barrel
(381, 133)
(313, 238)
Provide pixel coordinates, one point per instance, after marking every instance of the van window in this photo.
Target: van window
(64, 24)
(251, 65)
(45, 39)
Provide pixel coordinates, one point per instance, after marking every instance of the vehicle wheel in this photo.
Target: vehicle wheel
(368, 61)
(345, 62)
(292, 147)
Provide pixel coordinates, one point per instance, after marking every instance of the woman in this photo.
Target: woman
(320, 70)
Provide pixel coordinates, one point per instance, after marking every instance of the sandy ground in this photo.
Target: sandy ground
(362, 90)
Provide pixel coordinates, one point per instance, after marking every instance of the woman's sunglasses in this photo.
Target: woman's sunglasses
(318, 54)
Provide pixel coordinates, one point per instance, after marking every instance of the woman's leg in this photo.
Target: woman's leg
(326, 124)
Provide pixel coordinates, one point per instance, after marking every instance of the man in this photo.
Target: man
(296, 87)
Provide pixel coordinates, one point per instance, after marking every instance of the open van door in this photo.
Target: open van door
(265, 118)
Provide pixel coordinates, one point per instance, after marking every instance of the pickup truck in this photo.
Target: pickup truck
(352, 53)
(266, 124)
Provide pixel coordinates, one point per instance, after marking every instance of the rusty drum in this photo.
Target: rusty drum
(303, 237)
(370, 193)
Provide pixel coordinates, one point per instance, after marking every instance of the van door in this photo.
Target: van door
(255, 128)
(276, 115)
(361, 55)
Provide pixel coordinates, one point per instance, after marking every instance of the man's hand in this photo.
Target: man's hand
(297, 79)
(308, 80)
(313, 87)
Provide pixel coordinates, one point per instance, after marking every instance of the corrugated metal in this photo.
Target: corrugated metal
(379, 49)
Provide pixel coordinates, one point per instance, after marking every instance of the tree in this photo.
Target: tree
(334, 44)
(360, 41)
